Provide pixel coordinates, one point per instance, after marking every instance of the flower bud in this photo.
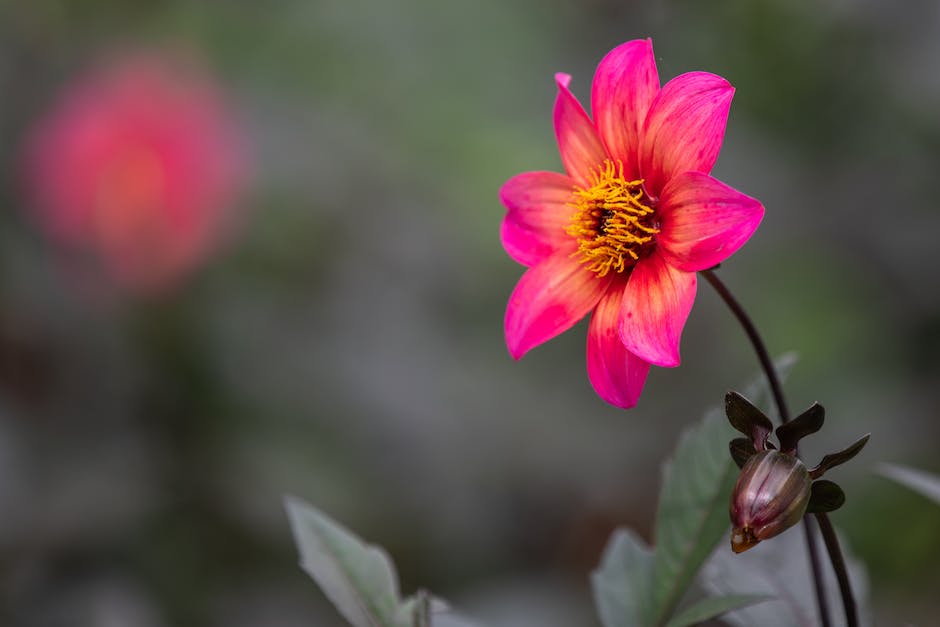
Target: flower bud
(770, 496)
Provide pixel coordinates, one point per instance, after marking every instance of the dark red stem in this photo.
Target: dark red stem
(838, 564)
(832, 544)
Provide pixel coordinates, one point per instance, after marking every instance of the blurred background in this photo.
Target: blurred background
(317, 310)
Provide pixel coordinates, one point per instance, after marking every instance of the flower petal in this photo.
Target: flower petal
(656, 305)
(625, 83)
(704, 221)
(550, 298)
(616, 374)
(580, 147)
(684, 128)
(538, 213)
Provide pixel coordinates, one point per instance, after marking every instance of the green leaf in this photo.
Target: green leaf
(622, 582)
(693, 511)
(424, 610)
(418, 609)
(713, 607)
(638, 587)
(779, 568)
(357, 577)
(917, 480)
(693, 504)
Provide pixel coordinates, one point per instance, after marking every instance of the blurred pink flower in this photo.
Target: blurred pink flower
(624, 232)
(136, 165)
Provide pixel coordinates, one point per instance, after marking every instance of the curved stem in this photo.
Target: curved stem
(756, 341)
(816, 567)
(838, 563)
(832, 545)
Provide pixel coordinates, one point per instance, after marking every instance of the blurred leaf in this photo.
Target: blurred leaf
(449, 619)
(917, 480)
(622, 582)
(714, 607)
(358, 578)
(636, 586)
(693, 511)
(424, 610)
(418, 609)
(693, 502)
(780, 568)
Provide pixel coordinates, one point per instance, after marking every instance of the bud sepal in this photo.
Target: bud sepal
(775, 489)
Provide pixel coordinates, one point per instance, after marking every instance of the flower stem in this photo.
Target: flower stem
(838, 563)
(766, 363)
(832, 544)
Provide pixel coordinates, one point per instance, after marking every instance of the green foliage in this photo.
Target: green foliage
(623, 585)
(712, 607)
(622, 582)
(693, 510)
(358, 578)
(636, 586)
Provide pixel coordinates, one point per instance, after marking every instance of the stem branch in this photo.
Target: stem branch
(832, 544)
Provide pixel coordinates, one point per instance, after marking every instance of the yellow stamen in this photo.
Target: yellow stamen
(612, 222)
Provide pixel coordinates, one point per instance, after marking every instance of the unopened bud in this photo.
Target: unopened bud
(770, 496)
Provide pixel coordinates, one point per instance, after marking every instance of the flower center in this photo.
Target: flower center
(613, 222)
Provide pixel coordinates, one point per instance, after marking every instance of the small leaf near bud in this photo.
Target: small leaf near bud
(835, 459)
(747, 419)
(741, 450)
(770, 496)
(810, 421)
(826, 496)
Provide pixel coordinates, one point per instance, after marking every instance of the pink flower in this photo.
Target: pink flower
(135, 167)
(624, 232)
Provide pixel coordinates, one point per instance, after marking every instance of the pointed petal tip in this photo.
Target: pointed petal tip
(514, 340)
(617, 401)
(657, 355)
(706, 81)
(616, 375)
(514, 344)
(684, 128)
(514, 352)
(625, 83)
(579, 144)
(705, 221)
(549, 299)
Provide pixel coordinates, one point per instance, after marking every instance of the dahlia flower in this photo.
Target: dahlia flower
(135, 167)
(622, 233)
